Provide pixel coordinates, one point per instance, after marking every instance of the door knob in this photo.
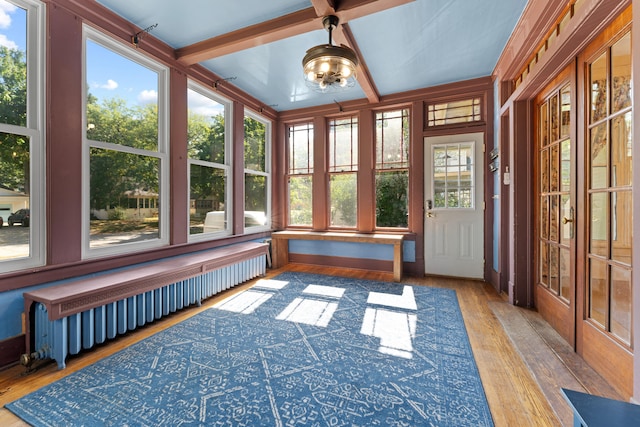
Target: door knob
(566, 220)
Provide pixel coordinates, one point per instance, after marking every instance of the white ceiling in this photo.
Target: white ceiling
(415, 45)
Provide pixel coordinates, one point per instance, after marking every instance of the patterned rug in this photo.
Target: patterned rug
(295, 350)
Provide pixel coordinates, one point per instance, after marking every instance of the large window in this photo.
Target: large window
(300, 174)
(125, 158)
(343, 168)
(256, 173)
(21, 137)
(209, 170)
(392, 168)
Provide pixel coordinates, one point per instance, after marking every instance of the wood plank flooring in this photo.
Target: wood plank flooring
(521, 362)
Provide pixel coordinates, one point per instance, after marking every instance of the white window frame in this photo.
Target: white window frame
(228, 154)
(266, 173)
(127, 51)
(36, 101)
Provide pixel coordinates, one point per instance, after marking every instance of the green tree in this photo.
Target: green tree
(14, 149)
(391, 199)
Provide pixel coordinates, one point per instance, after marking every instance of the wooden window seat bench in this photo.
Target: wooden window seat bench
(280, 244)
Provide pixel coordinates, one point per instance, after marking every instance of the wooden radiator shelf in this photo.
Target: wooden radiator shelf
(63, 303)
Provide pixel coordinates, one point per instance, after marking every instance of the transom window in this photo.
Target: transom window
(448, 113)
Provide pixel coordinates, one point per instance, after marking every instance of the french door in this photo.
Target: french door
(556, 202)
(584, 205)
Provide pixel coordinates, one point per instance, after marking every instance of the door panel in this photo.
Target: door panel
(454, 219)
(555, 189)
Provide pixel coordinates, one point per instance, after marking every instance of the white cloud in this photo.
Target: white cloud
(147, 96)
(202, 105)
(110, 85)
(4, 41)
(5, 9)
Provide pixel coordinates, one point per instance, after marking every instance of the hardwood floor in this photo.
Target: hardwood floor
(522, 362)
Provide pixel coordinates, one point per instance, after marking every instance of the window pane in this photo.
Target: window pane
(123, 112)
(14, 196)
(599, 208)
(300, 190)
(119, 180)
(621, 151)
(553, 118)
(565, 165)
(343, 145)
(301, 149)
(599, 88)
(565, 274)
(544, 124)
(598, 292)
(621, 303)
(554, 269)
(392, 139)
(205, 128)
(207, 198)
(254, 144)
(621, 69)
(255, 200)
(392, 199)
(544, 264)
(453, 171)
(344, 199)
(13, 65)
(621, 226)
(565, 112)
(599, 156)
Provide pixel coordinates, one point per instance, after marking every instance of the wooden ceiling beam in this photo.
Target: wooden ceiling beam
(343, 35)
(303, 21)
(295, 23)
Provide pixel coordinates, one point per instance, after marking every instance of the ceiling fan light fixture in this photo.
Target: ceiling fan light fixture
(328, 67)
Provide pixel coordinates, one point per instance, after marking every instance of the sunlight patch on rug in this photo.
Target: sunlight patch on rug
(297, 350)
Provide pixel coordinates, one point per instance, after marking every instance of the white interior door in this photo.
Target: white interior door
(454, 211)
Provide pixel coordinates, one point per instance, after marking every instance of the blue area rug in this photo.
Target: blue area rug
(295, 350)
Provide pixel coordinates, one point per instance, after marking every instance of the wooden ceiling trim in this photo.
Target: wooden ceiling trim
(303, 21)
(343, 35)
(295, 23)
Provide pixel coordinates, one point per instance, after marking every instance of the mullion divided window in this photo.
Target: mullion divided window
(300, 175)
(343, 168)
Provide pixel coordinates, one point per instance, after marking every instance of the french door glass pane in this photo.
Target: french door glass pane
(621, 151)
(565, 112)
(565, 274)
(544, 217)
(598, 88)
(621, 303)
(621, 69)
(598, 291)
(553, 118)
(565, 165)
(544, 124)
(566, 226)
(553, 219)
(544, 264)
(544, 170)
(621, 226)
(599, 156)
(554, 268)
(598, 209)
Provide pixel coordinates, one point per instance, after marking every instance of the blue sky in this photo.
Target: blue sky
(109, 75)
